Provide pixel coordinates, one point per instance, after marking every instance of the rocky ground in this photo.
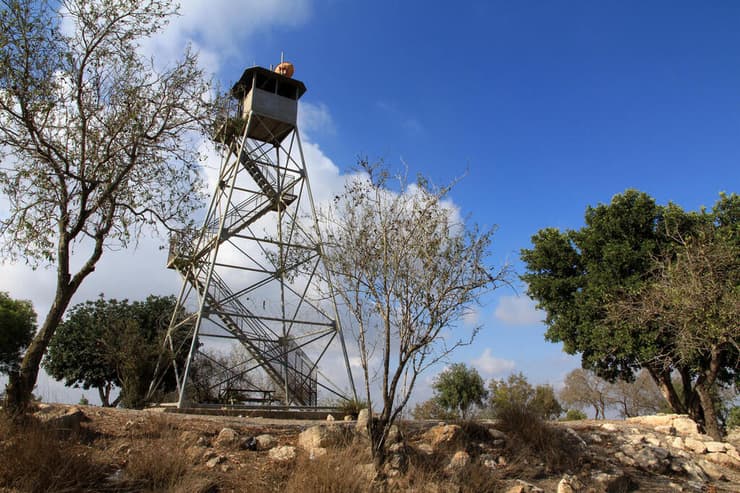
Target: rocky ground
(134, 448)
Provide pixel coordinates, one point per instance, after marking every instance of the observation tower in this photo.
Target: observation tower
(245, 331)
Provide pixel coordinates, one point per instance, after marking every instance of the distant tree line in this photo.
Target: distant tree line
(461, 393)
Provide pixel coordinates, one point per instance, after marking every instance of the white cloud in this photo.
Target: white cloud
(490, 365)
(518, 310)
(315, 119)
(221, 29)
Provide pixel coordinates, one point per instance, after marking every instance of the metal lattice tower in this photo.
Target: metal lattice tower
(249, 270)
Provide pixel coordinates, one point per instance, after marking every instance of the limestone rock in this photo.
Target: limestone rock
(524, 487)
(496, 434)
(265, 441)
(424, 448)
(227, 437)
(363, 417)
(654, 459)
(282, 453)
(459, 460)
(691, 468)
(441, 435)
(716, 446)
(394, 435)
(723, 460)
(318, 437)
(569, 484)
(214, 461)
(685, 426)
(618, 481)
(712, 470)
(695, 445)
(678, 443)
(666, 429)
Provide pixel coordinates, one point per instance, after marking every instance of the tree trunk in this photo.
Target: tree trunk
(377, 429)
(21, 383)
(663, 380)
(711, 422)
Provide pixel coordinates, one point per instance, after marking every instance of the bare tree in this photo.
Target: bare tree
(583, 388)
(406, 269)
(642, 396)
(96, 141)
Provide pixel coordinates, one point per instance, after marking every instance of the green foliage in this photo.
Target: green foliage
(17, 326)
(96, 141)
(574, 415)
(517, 393)
(733, 418)
(109, 343)
(458, 388)
(643, 284)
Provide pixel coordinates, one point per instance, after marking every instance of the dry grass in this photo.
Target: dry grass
(340, 471)
(533, 438)
(35, 459)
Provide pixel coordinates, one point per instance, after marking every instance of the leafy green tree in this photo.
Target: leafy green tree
(96, 141)
(108, 344)
(609, 291)
(545, 403)
(17, 326)
(458, 388)
(516, 392)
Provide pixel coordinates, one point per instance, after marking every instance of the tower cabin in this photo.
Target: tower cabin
(271, 97)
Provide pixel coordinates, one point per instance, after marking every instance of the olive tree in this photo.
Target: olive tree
(406, 269)
(97, 141)
(107, 344)
(643, 286)
(17, 325)
(458, 388)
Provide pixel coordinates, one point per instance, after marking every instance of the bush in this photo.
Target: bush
(574, 415)
(352, 406)
(733, 418)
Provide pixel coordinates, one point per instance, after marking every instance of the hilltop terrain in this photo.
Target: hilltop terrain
(84, 448)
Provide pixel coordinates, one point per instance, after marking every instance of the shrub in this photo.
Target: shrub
(535, 437)
(574, 415)
(733, 418)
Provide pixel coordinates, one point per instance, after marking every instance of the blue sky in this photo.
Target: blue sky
(542, 107)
